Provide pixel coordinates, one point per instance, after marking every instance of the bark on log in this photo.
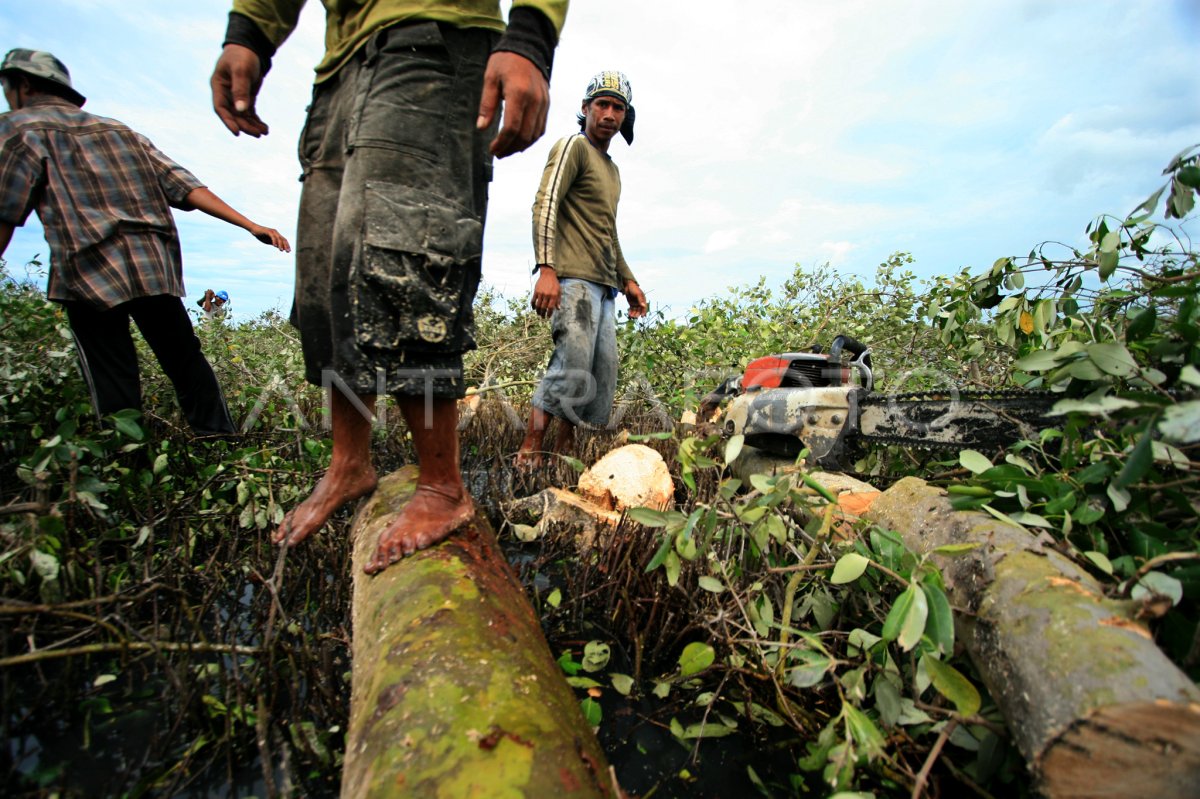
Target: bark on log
(1092, 703)
(454, 691)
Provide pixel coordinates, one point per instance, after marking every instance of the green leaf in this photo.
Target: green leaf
(1112, 358)
(672, 565)
(1038, 361)
(955, 549)
(591, 711)
(1138, 463)
(710, 583)
(849, 568)
(126, 422)
(1158, 583)
(863, 730)
(1101, 560)
(951, 684)
(1142, 324)
(810, 670)
(1108, 264)
(649, 517)
(554, 599)
(582, 682)
(940, 624)
(975, 462)
(696, 657)
(660, 556)
(733, 448)
(622, 683)
(906, 620)
(1189, 176)
(595, 655)
(1180, 424)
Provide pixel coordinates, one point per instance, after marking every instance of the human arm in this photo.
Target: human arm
(635, 297)
(518, 75)
(547, 295)
(214, 206)
(629, 285)
(256, 28)
(6, 231)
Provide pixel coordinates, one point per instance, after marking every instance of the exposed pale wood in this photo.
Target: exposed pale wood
(631, 476)
(454, 691)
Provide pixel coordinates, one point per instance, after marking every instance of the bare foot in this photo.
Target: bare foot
(430, 516)
(334, 490)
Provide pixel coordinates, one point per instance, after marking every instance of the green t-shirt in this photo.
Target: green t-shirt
(348, 23)
(575, 214)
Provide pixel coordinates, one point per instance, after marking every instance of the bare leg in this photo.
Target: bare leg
(349, 477)
(564, 438)
(530, 452)
(441, 503)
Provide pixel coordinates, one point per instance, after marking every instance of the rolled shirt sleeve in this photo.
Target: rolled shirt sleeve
(176, 182)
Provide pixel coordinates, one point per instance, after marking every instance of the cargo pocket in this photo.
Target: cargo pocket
(417, 272)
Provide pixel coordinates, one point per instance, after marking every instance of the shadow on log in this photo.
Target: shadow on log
(1092, 703)
(455, 692)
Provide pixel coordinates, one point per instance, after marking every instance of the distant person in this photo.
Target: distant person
(396, 154)
(581, 269)
(103, 194)
(215, 304)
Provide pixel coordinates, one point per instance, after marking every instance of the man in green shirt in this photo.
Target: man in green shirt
(580, 269)
(396, 154)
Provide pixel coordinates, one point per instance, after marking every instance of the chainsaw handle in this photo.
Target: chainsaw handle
(861, 361)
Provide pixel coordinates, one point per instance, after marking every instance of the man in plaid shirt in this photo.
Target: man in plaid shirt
(103, 194)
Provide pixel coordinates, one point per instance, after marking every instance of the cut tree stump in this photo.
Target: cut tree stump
(630, 476)
(455, 692)
(1091, 701)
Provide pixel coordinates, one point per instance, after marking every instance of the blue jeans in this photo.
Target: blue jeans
(581, 379)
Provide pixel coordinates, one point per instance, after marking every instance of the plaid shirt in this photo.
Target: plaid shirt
(103, 193)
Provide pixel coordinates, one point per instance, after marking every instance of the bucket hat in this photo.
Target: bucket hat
(41, 64)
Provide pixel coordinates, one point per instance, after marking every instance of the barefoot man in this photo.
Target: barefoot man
(580, 269)
(396, 156)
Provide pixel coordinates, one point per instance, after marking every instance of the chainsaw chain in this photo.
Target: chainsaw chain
(1016, 400)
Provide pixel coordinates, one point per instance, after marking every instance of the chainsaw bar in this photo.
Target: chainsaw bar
(954, 419)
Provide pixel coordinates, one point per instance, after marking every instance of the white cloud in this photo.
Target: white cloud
(799, 133)
(720, 240)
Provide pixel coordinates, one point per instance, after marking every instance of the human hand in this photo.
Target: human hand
(547, 295)
(513, 80)
(235, 83)
(269, 235)
(636, 299)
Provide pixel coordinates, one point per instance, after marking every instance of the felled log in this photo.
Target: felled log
(454, 691)
(1092, 703)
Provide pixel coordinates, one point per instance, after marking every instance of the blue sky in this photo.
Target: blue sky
(803, 133)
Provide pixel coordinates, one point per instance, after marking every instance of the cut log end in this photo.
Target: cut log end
(1135, 749)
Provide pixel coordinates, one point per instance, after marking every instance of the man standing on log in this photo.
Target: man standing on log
(396, 155)
(104, 195)
(580, 269)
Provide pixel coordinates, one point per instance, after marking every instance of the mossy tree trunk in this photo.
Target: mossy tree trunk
(1092, 703)
(455, 692)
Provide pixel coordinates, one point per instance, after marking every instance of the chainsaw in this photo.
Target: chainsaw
(825, 403)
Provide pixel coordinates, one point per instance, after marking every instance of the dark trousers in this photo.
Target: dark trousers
(110, 366)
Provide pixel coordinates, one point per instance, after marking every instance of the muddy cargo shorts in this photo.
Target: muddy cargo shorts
(392, 209)
(581, 379)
